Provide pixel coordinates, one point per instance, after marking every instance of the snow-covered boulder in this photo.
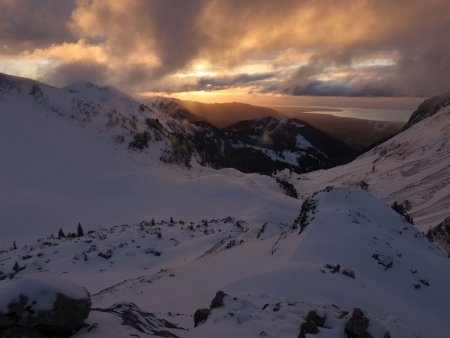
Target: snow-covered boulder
(131, 318)
(42, 306)
(440, 234)
(269, 316)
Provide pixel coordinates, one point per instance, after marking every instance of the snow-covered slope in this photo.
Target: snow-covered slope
(346, 250)
(160, 241)
(60, 167)
(162, 130)
(428, 108)
(414, 165)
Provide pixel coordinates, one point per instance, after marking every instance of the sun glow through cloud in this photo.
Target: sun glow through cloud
(299, 48)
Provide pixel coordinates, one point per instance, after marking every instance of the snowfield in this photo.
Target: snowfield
(69, 172)
(346, 250)
(195, 252)
(414, 166)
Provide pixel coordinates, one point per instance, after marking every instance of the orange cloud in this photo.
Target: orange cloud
(330, 47)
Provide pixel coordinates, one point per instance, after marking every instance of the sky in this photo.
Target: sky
(229, 50)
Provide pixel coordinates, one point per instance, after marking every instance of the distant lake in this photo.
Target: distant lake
(397, 115)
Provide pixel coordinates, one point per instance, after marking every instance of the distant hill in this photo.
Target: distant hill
(357, 133)
(225, 114)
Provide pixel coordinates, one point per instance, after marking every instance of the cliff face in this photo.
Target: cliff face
(427, 108)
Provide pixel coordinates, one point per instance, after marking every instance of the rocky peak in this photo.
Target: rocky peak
(428, 108)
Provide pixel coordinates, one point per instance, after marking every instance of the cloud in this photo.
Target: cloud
(78, 71)
(331, 47)
(165, 29)
(224, 82)
(340, 88)
(26, 24)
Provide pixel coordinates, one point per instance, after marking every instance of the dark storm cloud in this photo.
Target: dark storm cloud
(165, 28)
(340, 88)
(67, 73)
(145, 42)
(26, 24)
(224, 82)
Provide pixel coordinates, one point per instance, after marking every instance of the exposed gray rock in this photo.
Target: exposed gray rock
(333, 268)
(217, 300)
(310, 326)
(306, 214)
(142, 321)
(313, 317)
(440, 234)
(200, 316)
(357, 325)
(107, 254)
(307, 328)
(428, 108)
(385, 260)
(28, 314)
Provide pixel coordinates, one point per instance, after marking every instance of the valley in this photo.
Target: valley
(181, 238)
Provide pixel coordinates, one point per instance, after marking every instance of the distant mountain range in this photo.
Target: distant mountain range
(163, 129)
(358, 133)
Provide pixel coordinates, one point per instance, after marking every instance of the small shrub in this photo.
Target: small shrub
(403, 209)
(363, 185)
(287, 187)
(140, 141)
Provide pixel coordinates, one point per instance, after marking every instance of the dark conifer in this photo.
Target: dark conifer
(80, 231)
(61, 233)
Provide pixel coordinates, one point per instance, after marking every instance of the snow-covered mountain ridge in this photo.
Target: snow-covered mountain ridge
(154, 130)
(414, 165)
(346, 251)
(428, 108)
(61, 170)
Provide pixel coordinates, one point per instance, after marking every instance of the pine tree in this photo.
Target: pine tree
(153, 222)
(363, 185)
(16, 267)
(14, 247)
(61, 233)
(80, 231)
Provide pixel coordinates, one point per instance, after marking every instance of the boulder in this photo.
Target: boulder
(200, 316)
(42, 306)
(140, 320)
(315, 318)
(217, 301)
(106, 254)
(357, 325)
(310, 326)
(307, 328)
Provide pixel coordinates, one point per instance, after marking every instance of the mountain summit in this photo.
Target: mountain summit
(161, 129)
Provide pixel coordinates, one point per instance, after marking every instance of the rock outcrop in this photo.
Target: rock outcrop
(427, 108)
(42, 306)
(440, 234)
